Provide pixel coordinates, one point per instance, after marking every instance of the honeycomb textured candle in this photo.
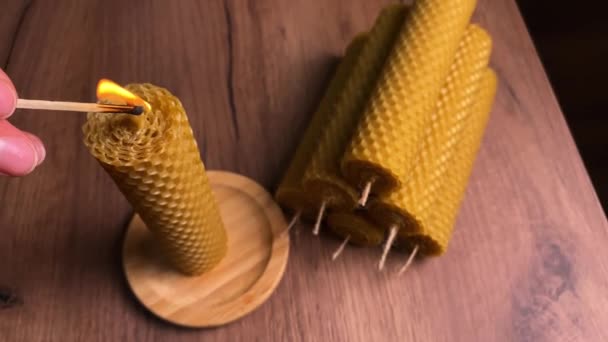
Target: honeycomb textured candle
(409, 207)
(388, 135)
(290, 193)
(155, 162)
(356, 228)
(323, 177)
(434, 239)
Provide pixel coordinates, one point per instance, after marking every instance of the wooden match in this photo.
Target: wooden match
(79, 107)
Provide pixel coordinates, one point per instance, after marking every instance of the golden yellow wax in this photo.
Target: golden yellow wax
(155, 162)
(356, 228)
(290, 194)
(386, 139)
(434, 239)
(409, 208)
(323, 179)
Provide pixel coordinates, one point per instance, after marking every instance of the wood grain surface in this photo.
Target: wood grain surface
(11, 17)
(527, 261)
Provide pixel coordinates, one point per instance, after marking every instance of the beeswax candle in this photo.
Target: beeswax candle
(434, 238)
(356, 228)
(323, 177)
(155, 162)
(386, 139)
(290, 193)
(409, 208)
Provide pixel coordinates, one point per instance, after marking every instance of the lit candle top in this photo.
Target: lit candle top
(155, 161)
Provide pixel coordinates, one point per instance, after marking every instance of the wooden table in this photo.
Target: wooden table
(527, 261)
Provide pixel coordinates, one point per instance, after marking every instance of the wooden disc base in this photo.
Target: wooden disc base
(244, 279)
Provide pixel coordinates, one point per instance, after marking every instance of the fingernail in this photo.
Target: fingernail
(38, 146)
(18, 156)
(8, 99)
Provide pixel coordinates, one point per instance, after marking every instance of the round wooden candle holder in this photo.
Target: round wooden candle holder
(244, 279)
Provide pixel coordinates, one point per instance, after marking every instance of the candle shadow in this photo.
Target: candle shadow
(314, 253)
(325, 70)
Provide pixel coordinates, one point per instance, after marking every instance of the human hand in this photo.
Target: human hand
(20, 152)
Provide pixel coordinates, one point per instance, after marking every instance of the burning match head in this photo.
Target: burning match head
(120, 109)
(110, 92)
(124, 102)
(137, 110)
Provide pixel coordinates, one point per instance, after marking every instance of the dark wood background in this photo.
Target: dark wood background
(527, 261)
(572, 42)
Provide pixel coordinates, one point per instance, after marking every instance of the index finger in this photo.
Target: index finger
(8, 96)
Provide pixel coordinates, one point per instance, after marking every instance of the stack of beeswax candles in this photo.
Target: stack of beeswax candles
(388, 136)
(291, 193)
(404, 127)
(407, 208)
(322, 178)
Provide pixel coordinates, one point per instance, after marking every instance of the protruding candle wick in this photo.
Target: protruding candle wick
(409, 260)
(365, 194)
(320, 215)
(294, 220)
(340, 249)
(387, 246)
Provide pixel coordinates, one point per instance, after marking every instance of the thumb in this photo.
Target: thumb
(8, 96)
(20, 152)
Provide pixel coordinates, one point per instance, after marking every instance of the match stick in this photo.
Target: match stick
(79, 107)
(389, 242)
(294, 220)
(317, 227)
(365, 194)
(409, 261)
(340, 249)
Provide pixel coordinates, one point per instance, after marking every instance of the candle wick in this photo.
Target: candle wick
(409, 260)
(317, 227)
(294, 220)
(365, 194)
(340, 249)
(387, 246)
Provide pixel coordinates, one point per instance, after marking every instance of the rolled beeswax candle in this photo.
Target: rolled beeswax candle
(434, 239)
(323, 177)
(290, 193)
(386, 139)
(356, 228)
(155, 162)
(409, 207)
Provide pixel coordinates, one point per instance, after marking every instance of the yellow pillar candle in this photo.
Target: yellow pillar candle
(290, 194)
(323, 177)
(386, 139)
(409, 207)
(435, 236)
(356, 228)
(155, 162)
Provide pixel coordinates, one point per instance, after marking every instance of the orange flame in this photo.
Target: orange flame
(111, 92)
